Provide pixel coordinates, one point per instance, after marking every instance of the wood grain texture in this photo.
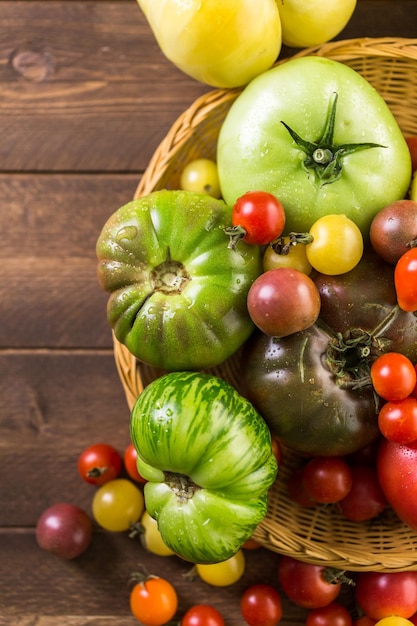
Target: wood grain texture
(85, 98)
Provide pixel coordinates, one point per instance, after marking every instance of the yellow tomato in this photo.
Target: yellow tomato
(224, 573)
(220, 43)
(296, 258)
(152, 539)
(308, 23)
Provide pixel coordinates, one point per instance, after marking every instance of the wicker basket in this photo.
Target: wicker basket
(318, 535)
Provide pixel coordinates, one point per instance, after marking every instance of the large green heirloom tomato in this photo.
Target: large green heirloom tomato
(177, 292)
(316, 134)
(207, 456)
(313, 387)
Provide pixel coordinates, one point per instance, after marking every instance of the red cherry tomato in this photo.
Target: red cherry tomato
(202, 615)
(99, 463)
(308, 586)
(129, 457)
(365, 500)
(260, 605)
(327, 479)
(334, 614)
(397, 421)
(393, 376)
(405, 280)
(260, 215)
(381, 594)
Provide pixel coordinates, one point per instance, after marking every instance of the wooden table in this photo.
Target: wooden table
(85, 98)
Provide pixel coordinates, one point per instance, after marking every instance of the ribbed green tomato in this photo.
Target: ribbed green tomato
(208, 459)
(177, 292)
(316, 134)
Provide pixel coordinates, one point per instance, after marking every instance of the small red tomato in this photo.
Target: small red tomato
(260, 605)
(258, 218)
(202, 615)
(397, 421)
(307, 585)
(334, 614)
(365, 500)
(283, 301)
(130, 456)
(99, 463)
(393, 376)
(327, 479)
(412, 146)
(405, 280)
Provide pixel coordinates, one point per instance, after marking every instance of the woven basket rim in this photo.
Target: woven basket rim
(378, 554)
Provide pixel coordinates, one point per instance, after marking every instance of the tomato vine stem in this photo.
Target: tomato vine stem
(323, 157)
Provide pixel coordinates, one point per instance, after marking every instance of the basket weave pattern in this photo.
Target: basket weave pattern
(318, 535)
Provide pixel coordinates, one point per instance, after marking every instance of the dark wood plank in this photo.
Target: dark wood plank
(81, 97)
(52, 405)
(49, 291)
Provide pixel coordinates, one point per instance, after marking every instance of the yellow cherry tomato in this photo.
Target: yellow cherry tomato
(224, 573)
(337, 245)
(296, 258)
(308, 23)
(151, 537)
(117, 505)
(201, 176)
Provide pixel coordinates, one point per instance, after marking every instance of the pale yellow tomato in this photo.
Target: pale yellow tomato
(151, 537)
(224, 573)
(201, 176)
(308, 23)
(220, 43)
(413, 190)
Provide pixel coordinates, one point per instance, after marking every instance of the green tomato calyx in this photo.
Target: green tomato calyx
(169, 277)
(323, 157)
(182, 485)
(349, 357)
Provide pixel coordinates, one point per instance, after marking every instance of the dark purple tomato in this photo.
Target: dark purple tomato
(313, 387)
(64, 529)
(283, 301)
(393, 228)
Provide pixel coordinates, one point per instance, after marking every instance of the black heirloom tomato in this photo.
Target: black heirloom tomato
(177, 292)
(313, 387)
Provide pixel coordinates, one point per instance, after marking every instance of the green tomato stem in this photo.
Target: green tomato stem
(323, 157)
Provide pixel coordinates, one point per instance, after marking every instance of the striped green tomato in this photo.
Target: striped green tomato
(206, 454)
